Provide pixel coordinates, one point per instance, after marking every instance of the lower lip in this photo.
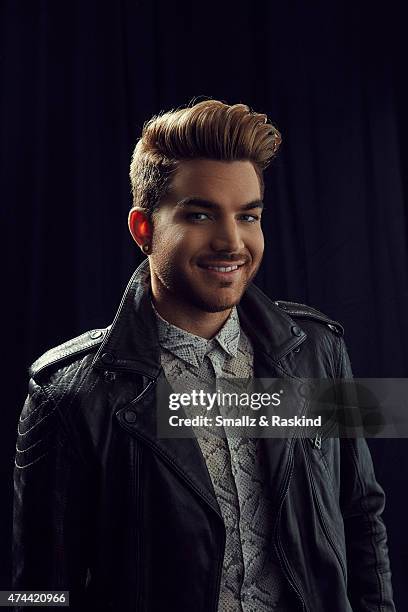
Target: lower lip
(222, 275)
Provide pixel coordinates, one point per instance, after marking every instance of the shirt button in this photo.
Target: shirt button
(296, 331)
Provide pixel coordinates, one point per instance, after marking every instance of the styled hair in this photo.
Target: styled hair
(208, 130)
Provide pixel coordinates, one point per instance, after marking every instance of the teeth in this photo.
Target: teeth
(222, 269)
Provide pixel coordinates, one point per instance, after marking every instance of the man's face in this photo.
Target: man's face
(207, 239)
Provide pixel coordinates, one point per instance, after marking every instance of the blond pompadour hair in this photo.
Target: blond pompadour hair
(209, 129)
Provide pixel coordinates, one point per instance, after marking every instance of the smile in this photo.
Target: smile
(222, 266)
(222, 269)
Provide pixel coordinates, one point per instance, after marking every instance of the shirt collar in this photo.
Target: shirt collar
(228, 336)
(191, 348)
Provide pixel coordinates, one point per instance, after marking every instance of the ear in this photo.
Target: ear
(140, 227)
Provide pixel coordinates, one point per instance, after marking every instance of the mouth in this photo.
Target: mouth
(222, 270)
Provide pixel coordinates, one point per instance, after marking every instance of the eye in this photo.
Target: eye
(250, 218)
(197, 216)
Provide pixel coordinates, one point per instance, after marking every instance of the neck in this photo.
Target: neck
(189, 317)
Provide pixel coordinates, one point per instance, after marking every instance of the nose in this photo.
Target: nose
(227, 236)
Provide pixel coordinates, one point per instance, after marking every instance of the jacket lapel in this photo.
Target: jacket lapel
(183, 455)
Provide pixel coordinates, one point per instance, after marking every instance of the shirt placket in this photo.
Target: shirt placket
(216, 450)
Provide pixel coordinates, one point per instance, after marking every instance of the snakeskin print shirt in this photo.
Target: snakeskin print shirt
(252, 580)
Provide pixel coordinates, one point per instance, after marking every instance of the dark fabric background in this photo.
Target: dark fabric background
(79, 78)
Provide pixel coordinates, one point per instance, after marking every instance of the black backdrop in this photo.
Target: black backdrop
(79, 78)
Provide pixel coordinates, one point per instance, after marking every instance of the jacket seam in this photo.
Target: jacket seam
(24, 433)
(34, 410)
(26, 465)
(31, 398)
(340, 358)
(59, 354)
(361, 483)
(137, 488)
(88, 391)
(48, 392)
(370, 522)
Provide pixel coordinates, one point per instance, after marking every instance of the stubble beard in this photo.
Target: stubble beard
(184, 290)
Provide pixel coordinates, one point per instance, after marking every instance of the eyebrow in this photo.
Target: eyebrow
(202, 203)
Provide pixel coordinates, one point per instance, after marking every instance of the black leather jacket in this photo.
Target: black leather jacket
(129, 522)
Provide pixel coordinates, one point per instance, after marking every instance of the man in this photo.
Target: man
(126, 520)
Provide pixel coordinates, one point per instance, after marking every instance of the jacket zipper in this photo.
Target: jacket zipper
(283, 560)
(141, 436)
(320, 513)
(221, 558)
(138, 532)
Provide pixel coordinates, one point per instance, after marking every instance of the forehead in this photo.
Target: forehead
(224, 182)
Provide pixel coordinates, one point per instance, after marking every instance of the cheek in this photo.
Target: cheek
(173, 238)
(256, 243)
(166, 240)
(173, 246)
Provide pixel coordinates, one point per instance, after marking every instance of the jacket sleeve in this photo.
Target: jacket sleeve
(362, 501)
(50, 543)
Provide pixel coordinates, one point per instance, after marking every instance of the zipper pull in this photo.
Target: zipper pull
(317, 441)
(109, 376)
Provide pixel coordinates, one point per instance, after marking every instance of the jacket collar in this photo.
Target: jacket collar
(132, 344)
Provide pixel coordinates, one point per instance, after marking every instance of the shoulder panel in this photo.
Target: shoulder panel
(297, 310)
(36, 428)
(76, 346)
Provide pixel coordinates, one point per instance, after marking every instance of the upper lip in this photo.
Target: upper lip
(221, 264)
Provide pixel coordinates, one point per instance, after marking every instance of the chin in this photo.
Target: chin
(215, 305)
(218, 307)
